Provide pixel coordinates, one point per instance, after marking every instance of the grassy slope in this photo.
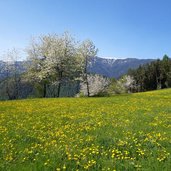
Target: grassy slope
(129, 132)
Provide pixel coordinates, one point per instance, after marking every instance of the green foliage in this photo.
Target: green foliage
(115, 88)
(123, 85)
(102, 94)
(153, 76)
(165, 58)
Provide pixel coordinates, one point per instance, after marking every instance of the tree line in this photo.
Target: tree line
(152, 76)
(57, 66)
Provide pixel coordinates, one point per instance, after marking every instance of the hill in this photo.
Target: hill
(126, 132)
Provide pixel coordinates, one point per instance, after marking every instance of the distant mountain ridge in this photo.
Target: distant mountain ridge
(20, 65)
(113, 68)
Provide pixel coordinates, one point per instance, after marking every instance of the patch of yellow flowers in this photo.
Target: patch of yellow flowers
(118, 133)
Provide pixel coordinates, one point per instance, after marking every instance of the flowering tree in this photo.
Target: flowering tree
(53, 59)
(97, 85)
(87, 50)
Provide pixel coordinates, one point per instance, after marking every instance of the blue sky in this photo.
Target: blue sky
(119, 28)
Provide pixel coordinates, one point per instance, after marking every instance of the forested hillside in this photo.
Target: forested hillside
(152, 76)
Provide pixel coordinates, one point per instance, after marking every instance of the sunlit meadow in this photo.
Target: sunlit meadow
(126, 132)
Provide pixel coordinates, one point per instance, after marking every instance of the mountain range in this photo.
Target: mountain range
(109, 67)
(114, 68)
(19, 65)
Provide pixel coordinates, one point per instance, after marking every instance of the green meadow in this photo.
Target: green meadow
(121, 133)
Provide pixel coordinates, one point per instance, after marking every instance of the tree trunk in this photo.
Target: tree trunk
(44, 90)
(17, 86)
(59, 85)
(87, 83)
(8, 94)
(86, 77)
(59, 89)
